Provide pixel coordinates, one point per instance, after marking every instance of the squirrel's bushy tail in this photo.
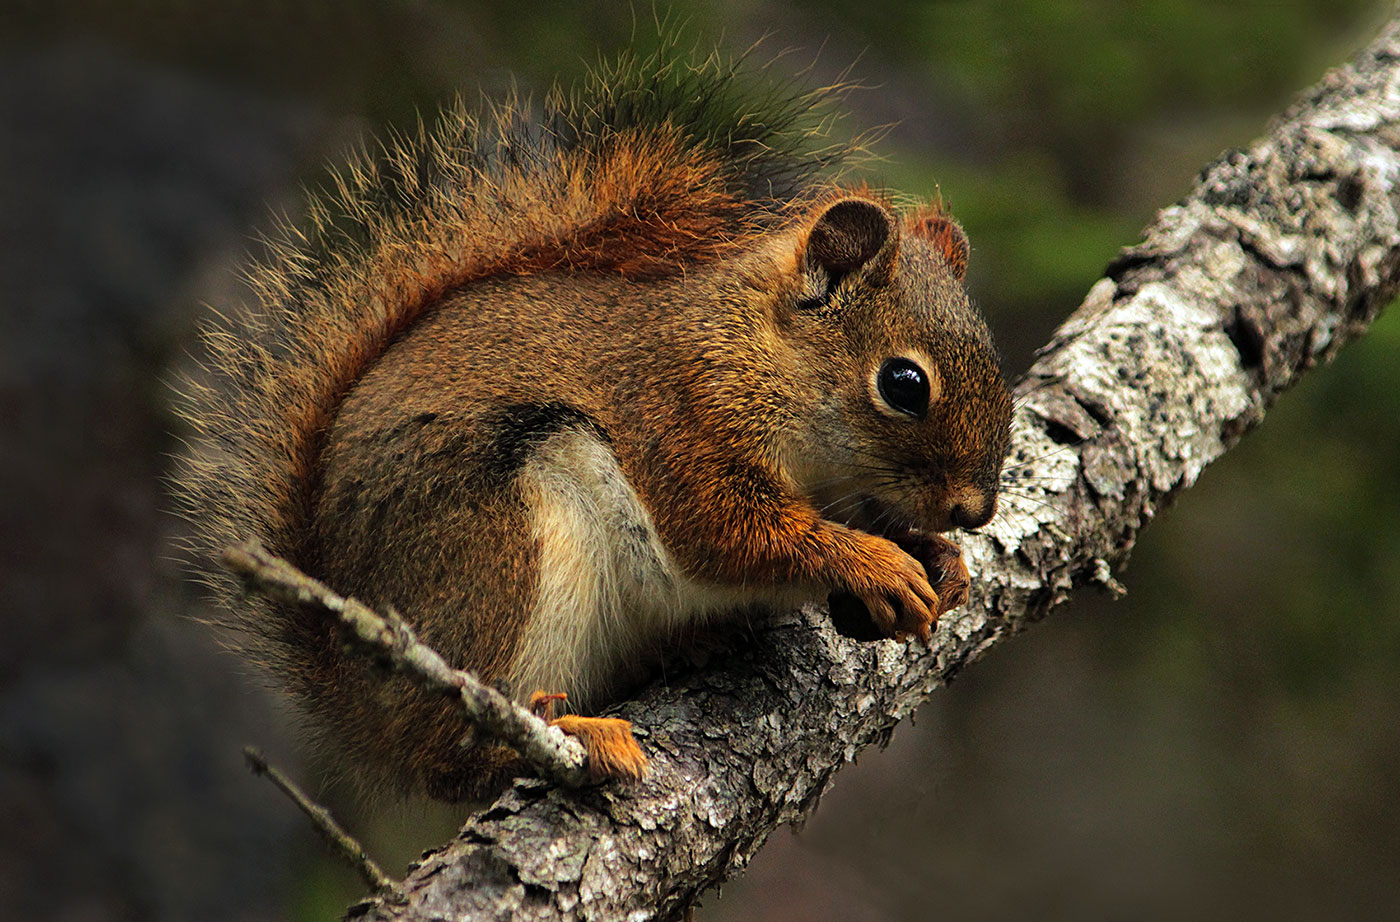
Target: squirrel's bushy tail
(651, 165)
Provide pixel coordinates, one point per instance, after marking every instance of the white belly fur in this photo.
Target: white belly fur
(610, 598)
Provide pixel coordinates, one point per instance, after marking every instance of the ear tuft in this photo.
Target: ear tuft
(938, 227)
(848, 235)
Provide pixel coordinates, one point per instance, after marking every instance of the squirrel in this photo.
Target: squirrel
(561, 390)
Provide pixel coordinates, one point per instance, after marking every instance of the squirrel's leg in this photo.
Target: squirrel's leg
(774, 535)
(613, 752)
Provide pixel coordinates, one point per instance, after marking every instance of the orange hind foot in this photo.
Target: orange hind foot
(613, 753)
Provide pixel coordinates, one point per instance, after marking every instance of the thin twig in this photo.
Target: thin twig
(340, 841)
(548, 749)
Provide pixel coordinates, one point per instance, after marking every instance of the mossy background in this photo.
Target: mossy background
(1224, 743)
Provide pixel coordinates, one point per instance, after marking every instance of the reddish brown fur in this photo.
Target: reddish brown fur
(935, 225)
(721, 356)
(613, 753)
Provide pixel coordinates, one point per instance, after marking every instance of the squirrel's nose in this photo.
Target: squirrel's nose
(973, 512)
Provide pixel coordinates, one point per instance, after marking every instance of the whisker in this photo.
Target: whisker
(840, 506)
(1019, 399)
(1019, 507)
(1027, 462)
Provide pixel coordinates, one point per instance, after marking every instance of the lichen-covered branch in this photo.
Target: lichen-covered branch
(554, 754)
(1280, 255)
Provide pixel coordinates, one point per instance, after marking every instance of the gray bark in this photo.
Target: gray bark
(1279, 256)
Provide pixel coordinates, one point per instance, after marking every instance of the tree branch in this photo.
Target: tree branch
(1280, 255)
(337, 839)
(553, 753)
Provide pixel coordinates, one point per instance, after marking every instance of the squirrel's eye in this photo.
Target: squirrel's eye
(904, 386)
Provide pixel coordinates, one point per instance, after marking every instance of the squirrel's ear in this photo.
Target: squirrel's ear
(937, 227)
(849, 235)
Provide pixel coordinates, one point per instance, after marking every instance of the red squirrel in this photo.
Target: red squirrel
(557, 391)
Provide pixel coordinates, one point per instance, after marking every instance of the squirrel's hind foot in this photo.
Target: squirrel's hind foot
(613, 753)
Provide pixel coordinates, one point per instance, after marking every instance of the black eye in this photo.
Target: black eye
(904, 386)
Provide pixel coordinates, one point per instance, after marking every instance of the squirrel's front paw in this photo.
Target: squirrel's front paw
(942, 560)
(895, 591)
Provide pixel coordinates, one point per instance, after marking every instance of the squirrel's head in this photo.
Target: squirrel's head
(904, 414)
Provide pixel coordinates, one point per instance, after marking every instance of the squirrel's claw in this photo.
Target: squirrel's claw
(541, 704)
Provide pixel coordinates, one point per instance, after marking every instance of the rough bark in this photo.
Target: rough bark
(1280, 255)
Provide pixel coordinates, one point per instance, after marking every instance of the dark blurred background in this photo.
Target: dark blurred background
(1223, 744)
